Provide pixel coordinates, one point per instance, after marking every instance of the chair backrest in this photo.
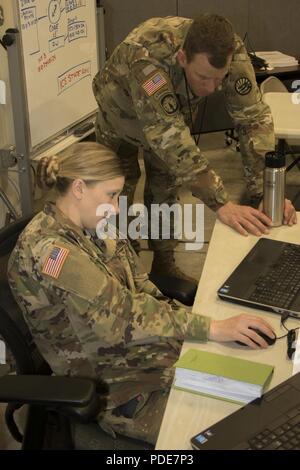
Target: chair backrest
(10, 234)
(13, 328)
(272, 85)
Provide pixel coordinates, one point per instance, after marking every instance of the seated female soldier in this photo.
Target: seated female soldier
(92, 310)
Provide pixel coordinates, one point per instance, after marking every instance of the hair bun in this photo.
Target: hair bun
(47, 172)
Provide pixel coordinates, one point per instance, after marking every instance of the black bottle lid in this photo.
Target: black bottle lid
(274, 160)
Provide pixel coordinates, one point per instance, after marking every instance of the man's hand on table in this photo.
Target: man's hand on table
(246, 219)
(289, 216)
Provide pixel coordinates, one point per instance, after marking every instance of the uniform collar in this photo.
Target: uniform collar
(69, 229)
(182, 31)
(61, 219)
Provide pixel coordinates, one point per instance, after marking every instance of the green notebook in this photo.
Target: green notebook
(223, 377)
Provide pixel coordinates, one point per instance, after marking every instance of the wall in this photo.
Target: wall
(274, 25)
(235, 11)
(271, 24)
(121, 16)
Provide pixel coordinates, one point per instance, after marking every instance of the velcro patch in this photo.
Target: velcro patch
(169, 103)
(153, 84)
(55, 261)
(149, 69)
(243, 86)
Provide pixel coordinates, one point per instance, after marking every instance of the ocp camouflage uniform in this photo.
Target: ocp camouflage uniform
(130, 115)
(94, 313)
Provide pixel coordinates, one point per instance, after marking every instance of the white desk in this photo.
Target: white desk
(186, 413)
(285, 109)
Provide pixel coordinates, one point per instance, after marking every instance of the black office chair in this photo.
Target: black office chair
(175, 288)
(58, 407)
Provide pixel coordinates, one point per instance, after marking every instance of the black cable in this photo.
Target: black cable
(294, 163)
(290, 335)
(246, 37)
(189, 103)
(291, 152)
(291, 338)
(250, 45)
(255, 59)
(198, 133)
(283, 319)
(202, 120)
(34, 179)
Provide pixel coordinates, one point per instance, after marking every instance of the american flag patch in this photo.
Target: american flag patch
(154, 84)
(55, 261)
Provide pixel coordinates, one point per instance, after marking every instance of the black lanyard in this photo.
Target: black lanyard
(196, 139)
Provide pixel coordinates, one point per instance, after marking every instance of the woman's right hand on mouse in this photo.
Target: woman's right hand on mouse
(238, 328)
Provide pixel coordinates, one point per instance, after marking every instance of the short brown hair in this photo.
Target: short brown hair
(213, 35)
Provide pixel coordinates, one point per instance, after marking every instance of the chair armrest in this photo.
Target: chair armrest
(48, 390)
(175, 288)
(75, 397)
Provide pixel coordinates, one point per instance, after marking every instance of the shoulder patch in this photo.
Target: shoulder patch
(169, 103)
(148, 69)
(55, 261)
(243, 86)
(155, 83)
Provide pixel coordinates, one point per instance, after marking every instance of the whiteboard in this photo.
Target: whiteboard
(60, 59)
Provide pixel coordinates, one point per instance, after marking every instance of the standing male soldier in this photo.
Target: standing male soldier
(148, 93)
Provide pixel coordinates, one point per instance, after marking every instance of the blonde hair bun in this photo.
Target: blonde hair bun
(89, 161)
(47, 172)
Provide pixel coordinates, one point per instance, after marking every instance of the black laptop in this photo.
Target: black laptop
(271, 422)
(268, 278)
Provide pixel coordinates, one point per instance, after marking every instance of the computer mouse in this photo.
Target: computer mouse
(267, 339)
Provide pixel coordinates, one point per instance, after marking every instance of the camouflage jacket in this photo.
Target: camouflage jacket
(94, 314)
(142, 99)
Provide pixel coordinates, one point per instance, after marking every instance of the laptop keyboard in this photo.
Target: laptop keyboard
(280, 285)
(283, 435)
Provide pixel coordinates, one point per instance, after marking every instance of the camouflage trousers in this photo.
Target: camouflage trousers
(145, 422)
(160, 185)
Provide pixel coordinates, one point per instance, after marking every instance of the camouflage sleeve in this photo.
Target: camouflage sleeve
(251, 116)
(169, 137)
(109, 308)
(140, 276)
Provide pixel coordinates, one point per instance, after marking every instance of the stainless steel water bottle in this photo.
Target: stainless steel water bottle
(274, 187)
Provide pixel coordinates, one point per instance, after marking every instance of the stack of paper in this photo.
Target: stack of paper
(277, 59)
(223, 377)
